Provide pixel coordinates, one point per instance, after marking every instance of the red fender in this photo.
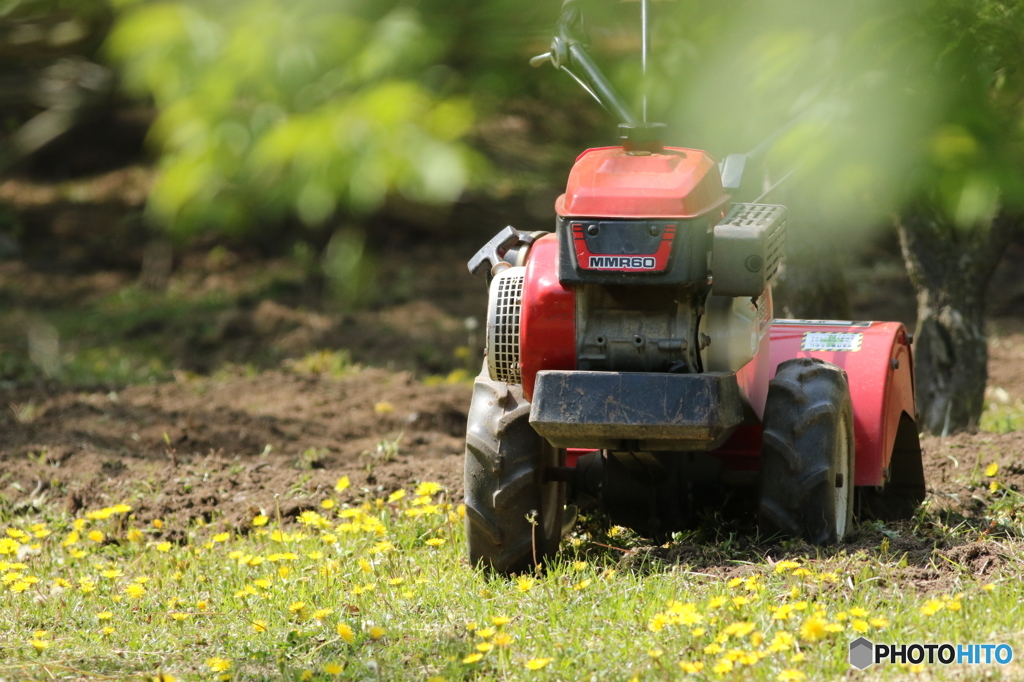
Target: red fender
(878, 363)
(548, 316)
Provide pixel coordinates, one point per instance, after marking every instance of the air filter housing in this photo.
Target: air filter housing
(503, 313)
(748, 248)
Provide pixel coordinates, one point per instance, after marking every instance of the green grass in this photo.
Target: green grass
(1000, 418)
(382, 592)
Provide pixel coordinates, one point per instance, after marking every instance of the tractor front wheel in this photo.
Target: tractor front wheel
(807, 453)
(513, 515)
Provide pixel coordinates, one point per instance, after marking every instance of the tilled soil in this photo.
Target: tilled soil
(224, 449)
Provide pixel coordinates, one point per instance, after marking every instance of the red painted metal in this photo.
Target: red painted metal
(547, 323)
(572, 455)
(654, 262)
(609, 183)
(881, 382)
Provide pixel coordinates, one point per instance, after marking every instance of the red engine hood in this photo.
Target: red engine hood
(609, 183)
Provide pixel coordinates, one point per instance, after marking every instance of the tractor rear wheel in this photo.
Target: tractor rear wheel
(807, 453)
(513, 516)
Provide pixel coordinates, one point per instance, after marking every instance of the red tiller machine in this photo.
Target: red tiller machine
(633, 362)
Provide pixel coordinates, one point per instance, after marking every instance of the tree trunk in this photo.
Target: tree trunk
(950, 268)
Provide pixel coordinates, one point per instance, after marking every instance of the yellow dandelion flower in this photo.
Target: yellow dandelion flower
(502, 639)
(656, 653)
(164, 677)
(75, 553)
(722, 666)
(202, 605)
(86, 586)
(104, 615)
(322, 614)
(342, 484)
(346, 633)
(859, 625)
(221, 537)
(297, 607)
(435, 542)
(791, 675)
(858, 612)
(178, 616)
(260, 520)
(112, 573)
(376, 632)
(992, 469)
(471, 625)
(797, 658)
(473, 658)
(835, 627)
(932, 606)
(697, 632)
(135, 535)
(537, 663)
(107, 631)
(383, 407)
(396, 496)
(485, 633)
(691, 668)
(712, 649)
(716, 602)
(993, 486)
(327, 504)
(988, 587)
(396, 581)
(61, 582)
(134, 591)
(333, 668)
(500, 620)
(259, 625)
(740, 601)
(786, 565)
(484, 647)
(96, 536)
(39, 645)
(524, 583)
(20, 586)
(878, 623)
(157, 523)
(813, 629)
(428, 488)
(583, 584)
(306, 675)
(218, 665)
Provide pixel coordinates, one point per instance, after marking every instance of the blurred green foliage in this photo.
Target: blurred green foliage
(889, 102)
(279, 106)
(269, 107)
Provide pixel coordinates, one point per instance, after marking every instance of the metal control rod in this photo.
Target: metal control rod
(644, 47)
(599, 84)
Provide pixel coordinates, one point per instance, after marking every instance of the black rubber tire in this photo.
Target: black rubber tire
(505, 461)
(807, 453)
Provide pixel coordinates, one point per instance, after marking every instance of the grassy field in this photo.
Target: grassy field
(381, 591)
